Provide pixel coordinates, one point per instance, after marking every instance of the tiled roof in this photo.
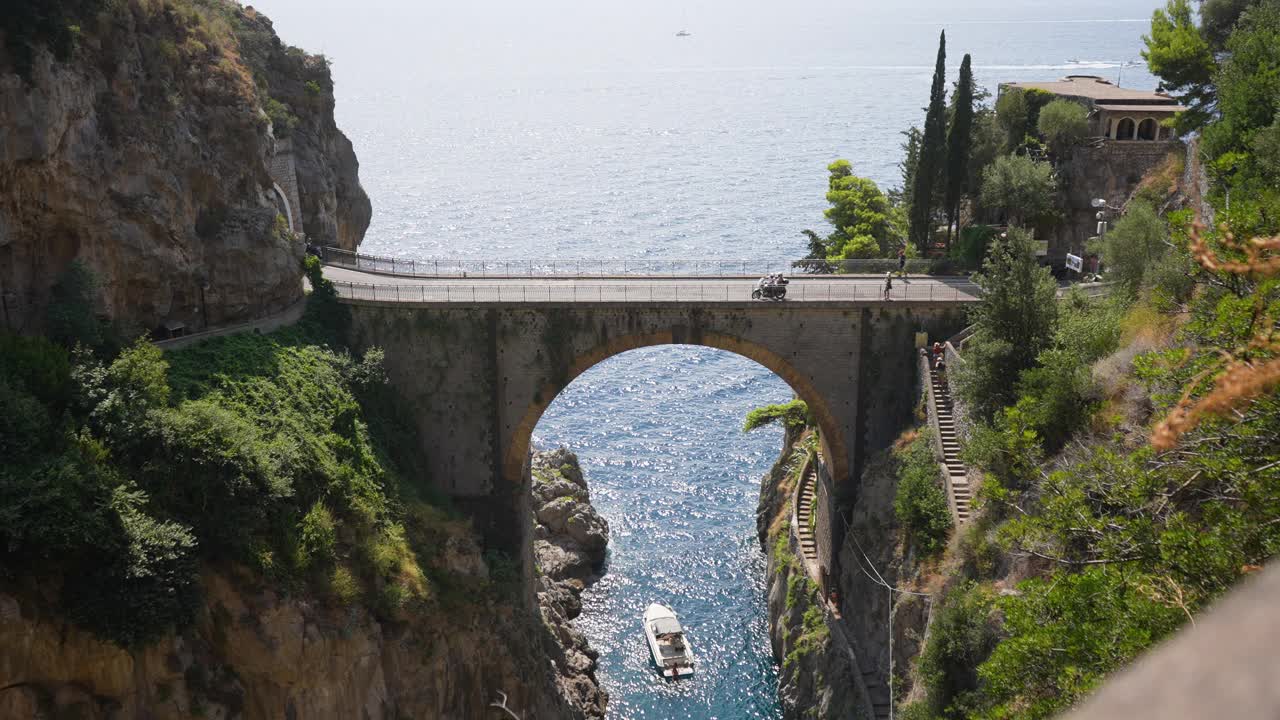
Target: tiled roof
(1094, 88)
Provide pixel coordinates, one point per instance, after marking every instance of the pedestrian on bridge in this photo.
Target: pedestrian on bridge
(888, 284)
(902, 261)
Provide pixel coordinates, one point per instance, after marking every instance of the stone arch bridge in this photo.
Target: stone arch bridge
(480, 360)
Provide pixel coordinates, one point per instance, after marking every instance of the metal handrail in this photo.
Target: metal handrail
(437, 267)
(642, 292)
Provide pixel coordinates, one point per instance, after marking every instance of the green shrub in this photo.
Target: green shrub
(344, 586)
(921, 502)
(971, 247)
(1022, 188)
(54, 506)
(317, 536)
(25, 424)
(38, 366)
(792, 415)
(1057, 396)
(1138, 242)
(1065, 633)
(1010, 449)
(283, 121)
(145, 581)
(1063, 123)
(961, 636)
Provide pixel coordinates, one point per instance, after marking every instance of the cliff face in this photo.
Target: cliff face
(146, 155)
(253, 653)
(335, 209)
(570, 540)
(818, 678)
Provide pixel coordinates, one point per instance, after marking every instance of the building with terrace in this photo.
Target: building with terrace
(1128, 138)
(1115, 113)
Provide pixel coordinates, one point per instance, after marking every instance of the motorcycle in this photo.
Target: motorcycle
(768, 289)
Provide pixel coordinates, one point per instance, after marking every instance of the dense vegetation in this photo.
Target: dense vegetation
(971, 168)
(1133, 468)
(123, 472)
(920, 504)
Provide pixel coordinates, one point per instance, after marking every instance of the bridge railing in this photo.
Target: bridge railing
(646, 292)
(434, 268)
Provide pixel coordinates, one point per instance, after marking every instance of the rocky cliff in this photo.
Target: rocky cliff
(258, 653)
(145, 148)
(819, 677)
(570, 540)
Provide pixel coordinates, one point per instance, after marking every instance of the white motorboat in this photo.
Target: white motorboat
(667, 642)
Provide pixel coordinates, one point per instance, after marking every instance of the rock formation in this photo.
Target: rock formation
(254, 653)
(570, 539)
(819, 678)
(146, 154)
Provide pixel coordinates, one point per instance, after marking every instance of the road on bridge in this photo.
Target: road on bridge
(356, 285)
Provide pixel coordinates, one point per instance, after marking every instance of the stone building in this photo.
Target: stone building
(1128, 138)
(1115, 113)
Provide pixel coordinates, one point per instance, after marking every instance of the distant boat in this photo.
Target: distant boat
(670, 650)
(683, 33)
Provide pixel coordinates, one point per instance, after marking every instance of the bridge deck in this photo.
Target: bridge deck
(360, 286)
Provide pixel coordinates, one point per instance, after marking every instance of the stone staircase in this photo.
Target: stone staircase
(957, 475)
(879, 693)
(806, 496)
(804, 515)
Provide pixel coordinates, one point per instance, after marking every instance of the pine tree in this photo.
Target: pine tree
(958, 141)
(932, 153)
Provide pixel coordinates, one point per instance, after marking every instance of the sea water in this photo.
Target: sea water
(586, 132)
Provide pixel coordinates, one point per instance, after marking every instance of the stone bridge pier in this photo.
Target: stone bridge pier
(478, 377)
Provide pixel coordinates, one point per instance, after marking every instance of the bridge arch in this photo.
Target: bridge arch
(479, 376)
(516, 461)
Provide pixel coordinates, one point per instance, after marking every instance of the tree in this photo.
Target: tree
(860, 214)
(792, 415)
(1248, 80)
(1063, 123)
(958, 144)
(1179, 55)
(932, 153)
(986, 143)
(1011, 114)
(1020, 187)
(920, 504)
(907, 166)
(1018, 112)
(1134, 245)
(1015, 322)
(1218, 18)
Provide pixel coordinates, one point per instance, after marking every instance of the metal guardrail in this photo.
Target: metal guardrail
(646, 292)
(436, 268)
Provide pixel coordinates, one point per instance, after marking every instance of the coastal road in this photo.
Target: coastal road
(357, 285)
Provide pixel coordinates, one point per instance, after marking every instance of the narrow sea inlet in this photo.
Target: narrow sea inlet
(659, 435)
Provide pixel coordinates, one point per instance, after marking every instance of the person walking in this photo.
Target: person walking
(888, 284)
(902, 261)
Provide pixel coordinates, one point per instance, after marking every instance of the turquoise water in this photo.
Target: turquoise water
(572, 131)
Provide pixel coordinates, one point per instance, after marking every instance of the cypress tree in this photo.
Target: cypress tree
(932, 153)
(959, 138)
